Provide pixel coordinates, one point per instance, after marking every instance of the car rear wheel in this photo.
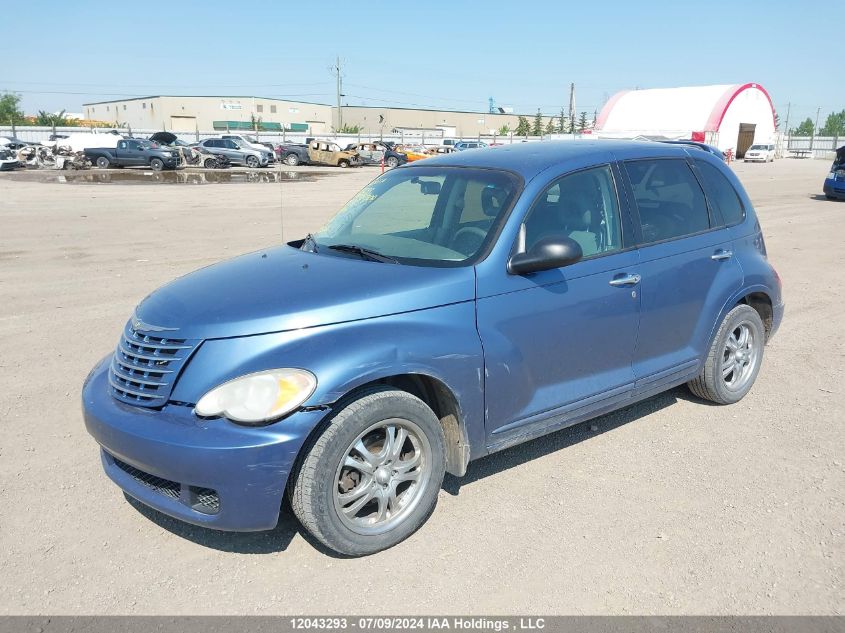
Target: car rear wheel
(156, 164)
(292, 160)
(252, 161)
(392, 162)
(102, 162)
(371, 478)
(210, 163)
(344, 164)
(734, 359)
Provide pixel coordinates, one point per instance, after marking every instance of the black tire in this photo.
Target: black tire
(291, 160)
(156, 164)
(711, 384)
(102, 162)
(343, 164)
(210, 163)
(392, 162)
(252, 161)
(315, 482)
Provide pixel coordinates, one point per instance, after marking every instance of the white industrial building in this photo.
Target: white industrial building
(727, 116)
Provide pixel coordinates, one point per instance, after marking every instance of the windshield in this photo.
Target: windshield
(442, 216)
(761, 147)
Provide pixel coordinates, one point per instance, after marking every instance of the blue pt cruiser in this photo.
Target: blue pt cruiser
(454, 307)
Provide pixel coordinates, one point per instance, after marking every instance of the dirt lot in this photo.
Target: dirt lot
(670, 506)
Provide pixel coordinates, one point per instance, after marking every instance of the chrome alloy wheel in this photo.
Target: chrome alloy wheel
(383, 476)
(740, 357)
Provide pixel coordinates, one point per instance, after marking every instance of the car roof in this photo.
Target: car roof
(529, 159)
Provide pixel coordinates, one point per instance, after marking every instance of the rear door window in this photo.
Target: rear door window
(722, 193)
(670, 201)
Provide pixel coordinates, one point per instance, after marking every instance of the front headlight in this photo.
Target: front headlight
(260, 397)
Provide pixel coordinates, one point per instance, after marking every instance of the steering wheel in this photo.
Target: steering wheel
(469, 236)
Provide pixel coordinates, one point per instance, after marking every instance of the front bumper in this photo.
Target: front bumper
(211, 473)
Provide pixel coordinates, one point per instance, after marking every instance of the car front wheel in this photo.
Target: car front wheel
(734, 358)
(371, 478)
(291, 160)
(252, 161)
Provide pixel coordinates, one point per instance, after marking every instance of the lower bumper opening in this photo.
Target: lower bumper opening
(204, 500)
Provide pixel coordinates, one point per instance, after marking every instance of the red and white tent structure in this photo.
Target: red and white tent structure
(727, 116)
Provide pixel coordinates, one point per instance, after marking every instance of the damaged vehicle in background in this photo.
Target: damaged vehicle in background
(834, 184)
(375, 153)
(189, 154)
(8, 159)
(293, 154)
(329, 153)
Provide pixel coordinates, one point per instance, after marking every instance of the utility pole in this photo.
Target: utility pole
(815, 127)
(339, 105)
(786, 126)
(572, 107)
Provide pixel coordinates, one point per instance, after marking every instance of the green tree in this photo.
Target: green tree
(562, 122)
(523, 127)
(805, 128)
(835, 125)
(582, 122)
(504, 130)
(551, 128)
(10, 111)
(777, 121)
(48, 119)
(349, 129)
(537, 128)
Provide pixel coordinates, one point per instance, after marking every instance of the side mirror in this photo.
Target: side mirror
(548, 253)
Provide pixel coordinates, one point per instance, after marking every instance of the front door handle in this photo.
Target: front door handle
(625, 280)
(721, 255)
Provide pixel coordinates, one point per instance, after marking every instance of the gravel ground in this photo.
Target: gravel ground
(670, 506)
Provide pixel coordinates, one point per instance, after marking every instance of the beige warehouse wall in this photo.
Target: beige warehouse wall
(465, 123)
(185, 114)
(188, 113)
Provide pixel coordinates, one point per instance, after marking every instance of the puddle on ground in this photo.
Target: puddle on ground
(147, 177)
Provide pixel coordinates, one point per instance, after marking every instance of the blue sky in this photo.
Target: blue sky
(435, 53)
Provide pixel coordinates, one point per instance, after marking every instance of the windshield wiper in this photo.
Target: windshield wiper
(365, 253)
(309, 238)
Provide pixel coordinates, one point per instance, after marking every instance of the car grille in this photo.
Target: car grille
(144, 367)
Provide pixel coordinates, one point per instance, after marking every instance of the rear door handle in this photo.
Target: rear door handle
(721, 254)
(625, 280)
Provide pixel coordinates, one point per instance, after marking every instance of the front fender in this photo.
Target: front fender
(439, 342)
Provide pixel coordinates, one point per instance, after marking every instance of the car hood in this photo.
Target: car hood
(284, 288)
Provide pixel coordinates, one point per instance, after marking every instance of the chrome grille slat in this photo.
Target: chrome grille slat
(138, 379)
(146, 343)
(145, 368)
(124, 389)
(145, 365)
(135, 354)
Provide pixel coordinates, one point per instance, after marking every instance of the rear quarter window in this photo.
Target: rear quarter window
(722, 193)
(669, 199)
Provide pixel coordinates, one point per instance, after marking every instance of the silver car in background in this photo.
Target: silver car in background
(237, 153)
